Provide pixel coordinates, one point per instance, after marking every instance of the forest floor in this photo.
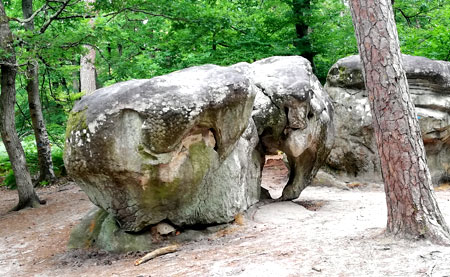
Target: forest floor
(326, 232)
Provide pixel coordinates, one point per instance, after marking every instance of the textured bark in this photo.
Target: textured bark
(27, 195)
(87, 64)
(412, 209)
(34, 103)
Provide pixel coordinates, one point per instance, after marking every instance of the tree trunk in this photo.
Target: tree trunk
(75, 79)
(412, 209)
(300, 8)
(87, 64)
(27, 195)
(34, 103)
(87, 70)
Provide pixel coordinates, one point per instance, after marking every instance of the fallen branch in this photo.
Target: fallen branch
(158, 252)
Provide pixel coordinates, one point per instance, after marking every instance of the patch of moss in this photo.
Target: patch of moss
(76, 121)
(166, 190)
(113, 239)
(156, 190)
(85, 234)
(191, 174)
(99, 229)
(200, 157)
(351, 79)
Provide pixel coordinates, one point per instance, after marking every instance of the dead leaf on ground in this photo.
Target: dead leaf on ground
(442, 187)
(239, 219)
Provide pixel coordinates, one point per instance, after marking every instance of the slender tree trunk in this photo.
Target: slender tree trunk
(412, 209)
(300, 9)
(87, 64)
(87, 70)
(34, 103)
(27, 195)
(75, 79)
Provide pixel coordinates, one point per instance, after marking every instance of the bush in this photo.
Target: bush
(29, 146)
(58, 162)
(10, 180)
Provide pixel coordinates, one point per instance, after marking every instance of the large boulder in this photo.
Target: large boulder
(355, 152)
(188, 148)
(177, 147)
(293, 114)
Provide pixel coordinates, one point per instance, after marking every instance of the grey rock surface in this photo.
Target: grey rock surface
(293, 114)
(150, 150)
(355, 154)
(188, 148)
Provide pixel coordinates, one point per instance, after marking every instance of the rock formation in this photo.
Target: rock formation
(150, 150)
(293, 114)
(355, 153)
(188, 147)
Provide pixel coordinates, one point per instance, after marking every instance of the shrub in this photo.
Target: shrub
(29, 146)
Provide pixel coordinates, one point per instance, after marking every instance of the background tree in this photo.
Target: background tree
(302, 12)
(34, 103)
(87, 62)
(412, 209)
(424, 27)
(28, 50)
(27, 195)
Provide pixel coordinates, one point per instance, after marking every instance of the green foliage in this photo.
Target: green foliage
(29, 146)
(424, 28)
(332, 34)
(5, 165)
(10, 180)
(58, 163)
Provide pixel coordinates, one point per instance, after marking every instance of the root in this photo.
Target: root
(32, 203)
(28, 204)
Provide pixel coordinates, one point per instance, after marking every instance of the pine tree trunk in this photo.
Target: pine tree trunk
(34, 103)
(27, 195)
(412, 209)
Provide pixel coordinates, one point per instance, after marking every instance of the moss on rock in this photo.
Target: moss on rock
(85, 234)
(76, 122)
(100, 229)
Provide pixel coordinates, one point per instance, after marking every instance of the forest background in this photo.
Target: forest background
(136, 39)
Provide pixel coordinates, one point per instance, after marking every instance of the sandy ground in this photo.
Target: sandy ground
(326, 232)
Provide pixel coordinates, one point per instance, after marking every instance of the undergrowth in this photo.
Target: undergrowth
(7, 177)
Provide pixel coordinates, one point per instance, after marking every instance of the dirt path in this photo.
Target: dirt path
(327, 232)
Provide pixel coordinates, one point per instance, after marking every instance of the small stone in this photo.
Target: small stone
(164, 228)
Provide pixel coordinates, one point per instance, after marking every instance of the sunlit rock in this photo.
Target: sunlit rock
(177, 147)
(293, 114)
